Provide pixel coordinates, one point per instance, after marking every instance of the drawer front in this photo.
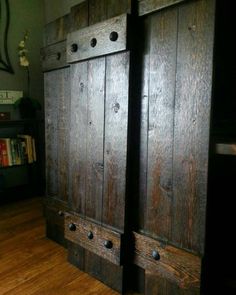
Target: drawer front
(93, 237)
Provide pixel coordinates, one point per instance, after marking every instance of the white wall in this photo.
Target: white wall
(57, 8)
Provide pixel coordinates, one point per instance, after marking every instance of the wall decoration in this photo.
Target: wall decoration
(5, 64)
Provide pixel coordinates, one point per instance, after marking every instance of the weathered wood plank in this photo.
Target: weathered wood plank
(150, 6)
(95, 131)
(175, 265)
(115, 7)
(163, 37)
(63, 135)
(79, 16)
(57, 30)
(225, 149)
(192, 123)
(97, 11)
(93, 237)
(54, 56)
(115, 149)
(95, 40)
(78, 143)
(51, 130)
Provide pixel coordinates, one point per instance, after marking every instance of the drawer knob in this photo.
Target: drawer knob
(108, 244)
(90, 235)
(113, 36)
(72, 227)
(60, 213)
(74, 47)
(156, 255)
(93, 42)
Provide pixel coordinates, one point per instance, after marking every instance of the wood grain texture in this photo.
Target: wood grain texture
(101, 32)
(97, 11)
(96, 244)
(225, 149)
(115, 8)
(163, 36)
(175, 265)
(150, 6)
(31, 264)
(115, 149)
(57, 30)
(51, 130)
(95, 132)
(192, 123)
(79, 16)
(54, 56)
(78, 144)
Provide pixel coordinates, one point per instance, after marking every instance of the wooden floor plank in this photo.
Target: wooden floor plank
(30, 264)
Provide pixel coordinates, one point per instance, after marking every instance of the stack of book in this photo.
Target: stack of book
(17, 151)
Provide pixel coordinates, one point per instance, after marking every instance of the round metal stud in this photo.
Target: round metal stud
(114, 36)
(156, 255)
(74, 47)
(93, 42)
(72, 227)
(90, 235)
(108, 244)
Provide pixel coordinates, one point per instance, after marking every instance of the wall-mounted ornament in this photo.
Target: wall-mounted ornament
(5, 64)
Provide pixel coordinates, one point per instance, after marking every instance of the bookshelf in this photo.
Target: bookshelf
(21, 180)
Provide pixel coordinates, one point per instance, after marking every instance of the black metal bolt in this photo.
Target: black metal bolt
(93, 42)
(114, 36)
(72, 227)
(108, 244)
(156, 255)
(90, 235)
(74, 47)
(58, 55)
(60, 213)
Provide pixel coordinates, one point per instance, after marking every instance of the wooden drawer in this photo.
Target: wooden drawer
(93, 237)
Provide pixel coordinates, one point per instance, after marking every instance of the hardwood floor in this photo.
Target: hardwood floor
(32, 264)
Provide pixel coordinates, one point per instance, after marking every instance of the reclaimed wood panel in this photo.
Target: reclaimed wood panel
(79, 16)
(95, 131)
(57, 30)
(115, 7)
(97, 11)
(78, 131)
(175, 265)
(54, 56)
(192, 123)
(96, 242)
(162, 70)
(100, 35)
(116, 131)
(63, 135)
(51, 130)
(150, 6)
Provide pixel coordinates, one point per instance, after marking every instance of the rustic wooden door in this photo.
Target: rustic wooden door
(176, 64)
(99, 75)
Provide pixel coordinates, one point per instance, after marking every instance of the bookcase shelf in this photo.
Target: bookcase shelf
(25, 177)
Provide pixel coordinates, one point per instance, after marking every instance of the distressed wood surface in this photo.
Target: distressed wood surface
(162, 69)
(79, 16)
(192, 123)
(150, 6)
(54, 56)
(101, 33)
(175, 265)
(115, 146)
(78, 143)
(95, 132)
(225, 149)
(96, 244)
(57, 30)
(51, 131)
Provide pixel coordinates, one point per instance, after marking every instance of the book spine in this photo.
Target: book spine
(4, 153)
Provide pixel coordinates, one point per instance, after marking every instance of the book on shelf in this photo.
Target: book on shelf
(17, 151)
